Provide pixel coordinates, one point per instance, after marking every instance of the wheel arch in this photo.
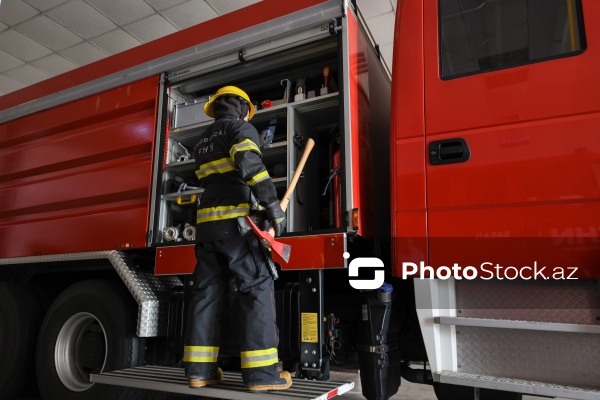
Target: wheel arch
(133, 269)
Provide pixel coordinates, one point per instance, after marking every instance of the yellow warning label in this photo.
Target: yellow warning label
(310, 327)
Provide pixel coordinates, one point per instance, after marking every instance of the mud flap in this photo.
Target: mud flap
(378, 359)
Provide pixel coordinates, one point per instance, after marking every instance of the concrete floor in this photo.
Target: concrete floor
(407, 391)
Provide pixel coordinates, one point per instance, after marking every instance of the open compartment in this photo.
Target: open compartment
(296, 96)
(313, 205)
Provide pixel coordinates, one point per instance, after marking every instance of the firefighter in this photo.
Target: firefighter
(228, 165)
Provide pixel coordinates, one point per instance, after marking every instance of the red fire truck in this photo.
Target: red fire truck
(472, 173)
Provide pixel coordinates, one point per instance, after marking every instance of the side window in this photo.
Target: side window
(482, 35)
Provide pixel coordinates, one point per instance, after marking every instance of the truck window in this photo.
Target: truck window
(484, 35)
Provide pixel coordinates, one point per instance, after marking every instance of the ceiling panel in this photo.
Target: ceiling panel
(8, 85)
(82, 19)
(372, 9)
(16, 11)
(48, 32)
(54, 64)
(387, 51)
(190, 13)
(27, 74)
(20, 46)
(8, 62)
(115, 41)
(162, 4)
(227, 6)
(123, 11)
(44, 5)
(83, 53)
(151, 28)
(379, 28)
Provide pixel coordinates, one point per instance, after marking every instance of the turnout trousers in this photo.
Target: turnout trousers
(240, 259)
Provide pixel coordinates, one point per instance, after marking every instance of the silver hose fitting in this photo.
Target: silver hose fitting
(170, 233)
(189, 232)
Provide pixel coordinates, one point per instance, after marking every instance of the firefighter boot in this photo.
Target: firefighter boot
(199, 381)
(284, 382)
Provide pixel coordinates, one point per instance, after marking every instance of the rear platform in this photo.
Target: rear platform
(170, 379)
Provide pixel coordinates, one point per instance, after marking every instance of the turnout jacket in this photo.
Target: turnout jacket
(228, 165)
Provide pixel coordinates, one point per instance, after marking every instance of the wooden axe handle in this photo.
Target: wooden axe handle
(310, 143)
(288, 193)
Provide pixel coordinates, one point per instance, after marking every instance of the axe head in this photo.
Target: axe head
(283, 250)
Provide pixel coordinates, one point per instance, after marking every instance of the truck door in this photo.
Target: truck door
(512, 116)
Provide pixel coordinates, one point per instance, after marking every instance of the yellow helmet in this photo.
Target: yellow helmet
(227, 90)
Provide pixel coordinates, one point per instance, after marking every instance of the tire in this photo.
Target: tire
(89, 328)
(20, 319)
(445, 391)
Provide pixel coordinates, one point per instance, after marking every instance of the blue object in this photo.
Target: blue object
(386, 288)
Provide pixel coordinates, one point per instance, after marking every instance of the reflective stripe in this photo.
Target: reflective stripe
(200, 354)
(218, 166)
(259, 358)
(261, 176)
(244, 145)
(222, 212)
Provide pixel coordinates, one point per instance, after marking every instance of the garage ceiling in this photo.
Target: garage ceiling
(43, 38)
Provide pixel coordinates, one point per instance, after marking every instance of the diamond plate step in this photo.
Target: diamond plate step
(532, 388)
(169, 379)
(512, 324)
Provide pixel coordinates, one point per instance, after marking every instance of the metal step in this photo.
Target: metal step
(173, 380)
(512, 324)
(532, 388)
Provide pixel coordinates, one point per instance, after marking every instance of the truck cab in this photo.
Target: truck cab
(495, 167)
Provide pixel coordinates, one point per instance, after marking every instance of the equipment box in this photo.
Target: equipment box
(190, 113)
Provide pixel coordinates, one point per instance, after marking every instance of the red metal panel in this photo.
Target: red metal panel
(260, 12)
(314, 252)
(410, 241)
(360, 133)
(531, 187)
(551, 160)
(409, 218)
(77, 177)
(551, 235)
(175, 260)
(308, 252)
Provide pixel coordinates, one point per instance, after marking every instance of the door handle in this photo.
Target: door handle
(449, 151)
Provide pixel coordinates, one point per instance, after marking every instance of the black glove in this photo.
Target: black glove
(265, 192)
(276, 217)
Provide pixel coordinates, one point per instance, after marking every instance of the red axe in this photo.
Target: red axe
(266, 237)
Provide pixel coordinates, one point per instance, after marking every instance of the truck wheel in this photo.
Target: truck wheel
(445, 391)
(20, 319)
(89, 328)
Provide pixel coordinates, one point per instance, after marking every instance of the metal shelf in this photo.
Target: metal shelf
(187, 167)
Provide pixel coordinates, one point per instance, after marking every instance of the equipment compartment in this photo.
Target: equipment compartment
(293, 98)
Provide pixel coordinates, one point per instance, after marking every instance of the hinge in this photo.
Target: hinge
(333, 27)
